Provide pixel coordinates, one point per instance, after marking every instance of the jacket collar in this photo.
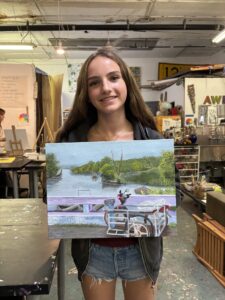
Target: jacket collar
(80, 133)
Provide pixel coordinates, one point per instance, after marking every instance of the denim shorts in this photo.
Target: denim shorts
(108, 263)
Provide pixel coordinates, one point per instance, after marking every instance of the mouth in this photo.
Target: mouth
(107, 99)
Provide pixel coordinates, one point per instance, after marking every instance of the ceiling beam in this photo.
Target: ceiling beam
(112, 27)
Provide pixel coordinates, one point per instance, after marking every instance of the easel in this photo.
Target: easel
(49, 132)
(16, 145)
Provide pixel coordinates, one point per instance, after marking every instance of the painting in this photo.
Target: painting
(137, 74)
(111, 189)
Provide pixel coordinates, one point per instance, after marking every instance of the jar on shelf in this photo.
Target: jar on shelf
(193, 136)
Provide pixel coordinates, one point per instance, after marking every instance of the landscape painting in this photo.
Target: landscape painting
(111, 189)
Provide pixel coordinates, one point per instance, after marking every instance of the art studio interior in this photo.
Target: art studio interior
(176, 52)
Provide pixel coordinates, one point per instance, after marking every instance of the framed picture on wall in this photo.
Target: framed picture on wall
(212, 115)
(137, 74)
(202, 114)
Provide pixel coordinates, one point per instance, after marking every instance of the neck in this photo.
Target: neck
(111, 128)
(112, 123)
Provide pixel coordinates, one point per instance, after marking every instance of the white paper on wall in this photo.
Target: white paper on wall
(212, 115)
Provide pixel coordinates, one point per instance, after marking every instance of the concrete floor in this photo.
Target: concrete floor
(181, 277)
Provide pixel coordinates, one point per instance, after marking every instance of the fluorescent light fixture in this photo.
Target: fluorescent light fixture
(60, 49)
(219, 37)
(15, 46)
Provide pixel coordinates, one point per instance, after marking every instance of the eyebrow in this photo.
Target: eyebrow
(109, 74)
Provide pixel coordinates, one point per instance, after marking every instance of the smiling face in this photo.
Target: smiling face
(107, 89)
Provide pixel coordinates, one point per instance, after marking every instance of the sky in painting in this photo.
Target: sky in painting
(76, 154)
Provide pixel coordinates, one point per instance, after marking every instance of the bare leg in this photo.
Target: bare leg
(98, 289)
(139, 289)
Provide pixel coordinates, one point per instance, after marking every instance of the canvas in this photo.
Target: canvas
(111, 189)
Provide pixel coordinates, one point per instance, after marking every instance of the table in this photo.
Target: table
(27, 257)
(17, 165)
(200, 202)
(33, 168)
(185, 189)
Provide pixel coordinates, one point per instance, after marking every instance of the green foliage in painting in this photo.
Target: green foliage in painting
(52, 165)
(149, 170)
(166, 168)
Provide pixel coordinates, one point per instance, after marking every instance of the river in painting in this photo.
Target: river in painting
(69, 188)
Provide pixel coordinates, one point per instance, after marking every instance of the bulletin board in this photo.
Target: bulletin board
(205, 99)
(17, 98)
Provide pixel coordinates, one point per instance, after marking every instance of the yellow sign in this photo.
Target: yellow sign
(168, 70)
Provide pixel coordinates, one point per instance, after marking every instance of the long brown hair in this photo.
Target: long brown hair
(82, 109)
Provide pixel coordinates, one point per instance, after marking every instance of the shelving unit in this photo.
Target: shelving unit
(187, 161)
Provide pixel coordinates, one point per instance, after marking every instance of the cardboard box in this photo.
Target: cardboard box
(166, 122)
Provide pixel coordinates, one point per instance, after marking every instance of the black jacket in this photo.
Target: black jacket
(151, 247)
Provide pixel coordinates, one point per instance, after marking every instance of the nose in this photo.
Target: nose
(106, 87)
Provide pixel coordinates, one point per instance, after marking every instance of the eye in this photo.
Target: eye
(93, 83)
(114, 77)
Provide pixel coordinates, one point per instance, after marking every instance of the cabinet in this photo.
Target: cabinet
(210, 246)
(187, 161)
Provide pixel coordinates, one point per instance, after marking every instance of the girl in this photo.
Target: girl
(108, 106)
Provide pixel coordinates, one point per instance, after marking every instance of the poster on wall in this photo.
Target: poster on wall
(73, 73)
(118, 189)
(212, 115)
(13, 90)
(204, 92)
(137, 74)
(17, 97)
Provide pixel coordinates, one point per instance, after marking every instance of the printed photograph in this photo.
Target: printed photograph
(111, 189)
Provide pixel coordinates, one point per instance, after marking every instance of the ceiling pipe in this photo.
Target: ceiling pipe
(107, 27)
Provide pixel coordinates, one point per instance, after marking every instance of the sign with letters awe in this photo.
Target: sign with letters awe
(111, 189)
